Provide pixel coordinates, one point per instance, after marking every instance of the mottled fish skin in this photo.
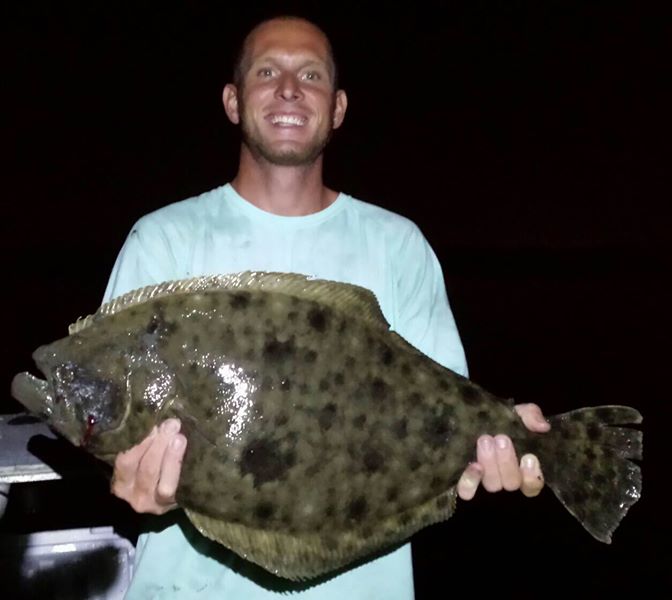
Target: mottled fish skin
(316, 434)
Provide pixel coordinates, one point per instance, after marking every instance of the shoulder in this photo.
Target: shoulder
(180, 214)
(387, 223)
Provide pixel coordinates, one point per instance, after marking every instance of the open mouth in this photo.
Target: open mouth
(288, 120)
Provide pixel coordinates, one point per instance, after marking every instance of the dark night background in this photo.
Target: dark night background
(526, 139)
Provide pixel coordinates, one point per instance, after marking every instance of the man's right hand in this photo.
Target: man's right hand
(146, 476)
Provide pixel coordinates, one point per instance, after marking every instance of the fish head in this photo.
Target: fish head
(79, 396)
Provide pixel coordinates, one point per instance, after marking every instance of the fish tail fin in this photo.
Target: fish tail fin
(587, 463)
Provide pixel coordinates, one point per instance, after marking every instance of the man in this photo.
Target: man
(277, 215)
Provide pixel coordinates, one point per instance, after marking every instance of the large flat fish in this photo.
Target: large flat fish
(317, 436)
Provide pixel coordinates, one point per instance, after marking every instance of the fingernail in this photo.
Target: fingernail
(170, 426)
(178, 443)
(502, 442)
(529, 461)
(485, 444)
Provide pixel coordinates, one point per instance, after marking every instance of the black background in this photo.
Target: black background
(526, 139)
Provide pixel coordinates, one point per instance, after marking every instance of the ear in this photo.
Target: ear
(340, 108)
(230, 101)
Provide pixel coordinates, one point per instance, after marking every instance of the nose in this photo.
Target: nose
(289, 87)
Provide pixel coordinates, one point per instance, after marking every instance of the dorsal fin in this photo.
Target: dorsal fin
(361, 302)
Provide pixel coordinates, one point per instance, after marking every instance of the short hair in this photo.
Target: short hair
(240, 66)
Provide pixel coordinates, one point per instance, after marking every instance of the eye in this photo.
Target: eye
(265, 72)
(312, 76)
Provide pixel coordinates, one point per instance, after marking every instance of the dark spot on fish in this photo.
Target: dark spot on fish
(482, 415)
(366, 532)
(304, 389)
(139, 408)
(392, 493)
(400, 428)
(247, 331)
(250, 354)
(193, 367)
(196, 339)
(406, 370)
(359, 421)
(349, 362)
(239, 300)
(292, 315)
(442, 501)
(330, 541)
(310, 356)
(405, 518)
(600, 480)
(327, 416)
(281, 420)
(285, 384)
(586, 472)
(154, 324)
(318, 319)
(373, 461)
(263, 459)
(267, 383)
(357, 509)
(594, 431)
(414, 399)
(386, 355)
(437, 483)
(264, 511)
(339, 379)
(343, 325)
(436, 431)
(580, 497)
(275, 351)
(379, 389)
(414, 463)
(590, 454)
(470, 394)
(444, 385)
(324, 385)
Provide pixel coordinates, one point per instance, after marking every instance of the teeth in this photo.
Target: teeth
(287, 120)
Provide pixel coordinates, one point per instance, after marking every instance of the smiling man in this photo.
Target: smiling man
(277, 215)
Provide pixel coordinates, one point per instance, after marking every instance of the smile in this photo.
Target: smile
(288, 120)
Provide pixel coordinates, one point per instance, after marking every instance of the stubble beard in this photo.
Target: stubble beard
(260, 149)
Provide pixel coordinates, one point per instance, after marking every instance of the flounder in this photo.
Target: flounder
(316, 435)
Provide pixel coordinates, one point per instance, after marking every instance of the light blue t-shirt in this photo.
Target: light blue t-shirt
(351, 241)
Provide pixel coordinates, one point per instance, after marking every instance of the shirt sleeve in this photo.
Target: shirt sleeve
(146, 257)
(424, 316)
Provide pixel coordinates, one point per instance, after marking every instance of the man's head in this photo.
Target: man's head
(284, 93)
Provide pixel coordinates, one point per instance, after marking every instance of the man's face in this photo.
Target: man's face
(287, 105)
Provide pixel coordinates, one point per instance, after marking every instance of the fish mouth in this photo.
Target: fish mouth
(35, 394)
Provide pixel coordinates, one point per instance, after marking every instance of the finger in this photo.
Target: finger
(126, 465)
(532, 417)
(170, 471)
(507, 463)
(469, 481)
(486, 456)
(532, 477)
(149, 469)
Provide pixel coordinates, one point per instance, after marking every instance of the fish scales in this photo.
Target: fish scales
(316, 435)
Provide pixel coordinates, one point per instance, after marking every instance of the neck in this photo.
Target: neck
(286, 191)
